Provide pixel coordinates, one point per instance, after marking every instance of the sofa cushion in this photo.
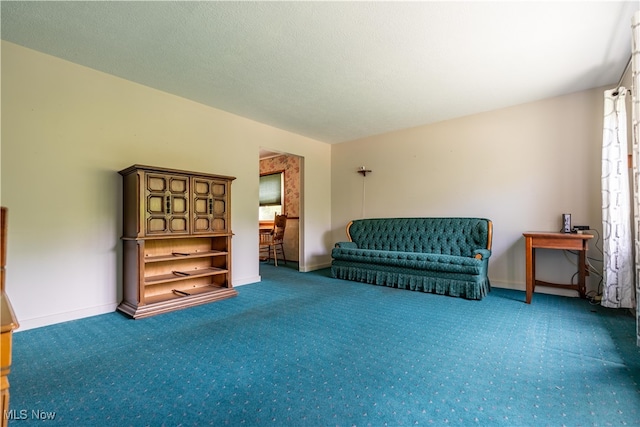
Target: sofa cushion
(422, 261)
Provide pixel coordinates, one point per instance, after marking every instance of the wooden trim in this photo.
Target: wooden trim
(282, 171)
(174, 171)
(348, 227)
(630, 161)
(3, 243)
(8, 321)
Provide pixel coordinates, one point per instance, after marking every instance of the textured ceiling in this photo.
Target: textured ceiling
(338, 71)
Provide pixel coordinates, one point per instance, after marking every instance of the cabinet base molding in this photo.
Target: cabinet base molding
(141, 311)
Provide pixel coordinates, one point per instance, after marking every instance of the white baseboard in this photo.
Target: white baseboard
(38, 322)
(539, 289)
(314, 267)
(247, 281)
(507, 285)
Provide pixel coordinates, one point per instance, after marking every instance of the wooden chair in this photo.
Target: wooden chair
(273, 241)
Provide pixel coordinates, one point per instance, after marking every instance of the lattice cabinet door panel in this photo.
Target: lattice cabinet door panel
(210, 205)
(166, 204)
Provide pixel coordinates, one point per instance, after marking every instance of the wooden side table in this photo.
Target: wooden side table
(551, 240)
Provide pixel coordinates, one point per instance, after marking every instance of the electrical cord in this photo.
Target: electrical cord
(591, 267)
(592, 296)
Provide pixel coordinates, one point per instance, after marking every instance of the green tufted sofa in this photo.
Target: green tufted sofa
(447, 256)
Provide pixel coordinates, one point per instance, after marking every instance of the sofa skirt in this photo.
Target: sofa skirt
(455, 285)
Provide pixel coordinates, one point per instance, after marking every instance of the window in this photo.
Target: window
(271, 195)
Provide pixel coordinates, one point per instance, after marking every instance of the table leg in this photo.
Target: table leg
(530, 268)
(582, 271)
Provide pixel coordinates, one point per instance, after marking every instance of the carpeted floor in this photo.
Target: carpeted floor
(304, 349)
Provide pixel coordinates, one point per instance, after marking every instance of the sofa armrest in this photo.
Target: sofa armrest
(481, 253)
(346, 245)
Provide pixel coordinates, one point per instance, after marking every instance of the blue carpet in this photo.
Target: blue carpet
(304, 349)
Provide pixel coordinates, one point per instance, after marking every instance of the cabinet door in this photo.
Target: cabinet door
(210, 205)
(166, 204)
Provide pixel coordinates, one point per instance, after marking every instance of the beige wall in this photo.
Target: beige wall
(521, 167)
(67, 130)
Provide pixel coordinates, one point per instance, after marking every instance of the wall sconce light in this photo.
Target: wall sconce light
(363, 170)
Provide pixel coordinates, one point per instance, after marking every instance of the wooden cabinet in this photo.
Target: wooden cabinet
(8, 323)
(176, 239)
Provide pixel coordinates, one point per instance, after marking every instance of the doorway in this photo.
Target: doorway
(290, 166)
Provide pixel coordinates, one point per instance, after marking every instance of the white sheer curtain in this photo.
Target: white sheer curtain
(635, 131)
(619, 287)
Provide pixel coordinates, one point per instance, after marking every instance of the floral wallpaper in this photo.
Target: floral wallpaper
(291, 167)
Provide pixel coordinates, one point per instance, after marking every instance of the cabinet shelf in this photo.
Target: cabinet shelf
(178, 275)
(183, 255)
(193, 293)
